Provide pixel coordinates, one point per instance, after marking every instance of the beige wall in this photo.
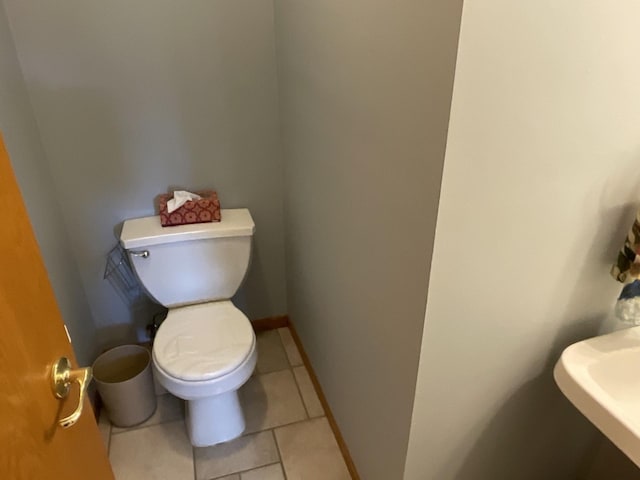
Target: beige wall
(134, 97)
(540, 184)
(365, 91)
(20, 132)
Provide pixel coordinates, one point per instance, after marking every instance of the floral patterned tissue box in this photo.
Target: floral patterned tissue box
(207, 209)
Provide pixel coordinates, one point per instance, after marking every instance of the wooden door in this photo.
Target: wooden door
(32, 338)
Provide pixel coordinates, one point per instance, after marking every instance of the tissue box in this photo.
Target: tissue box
(207, 209)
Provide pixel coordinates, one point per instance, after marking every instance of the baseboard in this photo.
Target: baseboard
(270, 323)
(323, 400)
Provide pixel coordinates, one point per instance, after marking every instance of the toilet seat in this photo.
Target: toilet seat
(203, 342)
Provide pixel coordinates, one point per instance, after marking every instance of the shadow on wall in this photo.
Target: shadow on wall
(96, 184)
(515, 442)
(608, 463)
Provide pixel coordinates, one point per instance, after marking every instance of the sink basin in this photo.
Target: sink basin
(601, 377)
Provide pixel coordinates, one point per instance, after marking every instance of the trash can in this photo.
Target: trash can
(124, 380)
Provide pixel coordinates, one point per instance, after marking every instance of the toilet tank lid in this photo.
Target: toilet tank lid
(147, 231)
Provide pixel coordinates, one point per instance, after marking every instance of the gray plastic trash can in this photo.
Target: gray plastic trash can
(125, 383)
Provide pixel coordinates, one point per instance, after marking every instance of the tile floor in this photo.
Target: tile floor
(287, 435)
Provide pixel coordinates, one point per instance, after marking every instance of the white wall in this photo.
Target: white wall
(540, 185)
(134, 97)
(365, 93)
(28, 159)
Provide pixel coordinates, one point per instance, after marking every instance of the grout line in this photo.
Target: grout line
(275, 440)
(284, 474)
(295, 423)
(240, 472)
(286, 350)
(304, 404)
(259, 374)
(262, 374)
(135, 429)
(193, 458)
(280, 426)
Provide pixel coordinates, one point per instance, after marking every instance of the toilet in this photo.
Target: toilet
(206, 348)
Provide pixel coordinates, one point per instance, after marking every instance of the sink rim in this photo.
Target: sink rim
(573, 377)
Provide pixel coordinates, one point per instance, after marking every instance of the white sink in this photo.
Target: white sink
(601, 377)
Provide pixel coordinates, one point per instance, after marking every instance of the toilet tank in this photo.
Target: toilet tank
(189, 264)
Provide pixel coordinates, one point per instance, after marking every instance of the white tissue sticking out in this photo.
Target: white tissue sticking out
(180, 197)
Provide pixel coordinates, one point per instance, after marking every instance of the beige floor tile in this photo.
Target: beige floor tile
(169, 409)
(310, 451)
(104, 425)
(230, 477)
(271, 354)
(272, 472)
(290, 347)
(160, 452)
(271, 400)
(309, 395)
(244, 453)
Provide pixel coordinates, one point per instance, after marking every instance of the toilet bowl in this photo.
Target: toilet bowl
(203, 354)
(205, 349)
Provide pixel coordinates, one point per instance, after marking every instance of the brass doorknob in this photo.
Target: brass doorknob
(62, 376)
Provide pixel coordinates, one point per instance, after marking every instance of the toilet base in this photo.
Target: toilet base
(213, 420)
